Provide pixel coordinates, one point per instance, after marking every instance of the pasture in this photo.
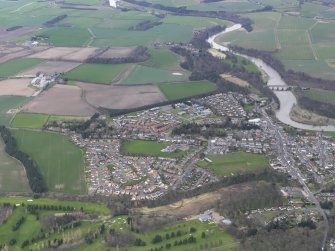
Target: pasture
(233, 163)
(324, 96)
(61, 163)
(149, 75)
(97, 73)
(148, 148)
(163, 59)
(29, 120)
(175, 91)
(7, 103)
(15, 66)
(13, 177)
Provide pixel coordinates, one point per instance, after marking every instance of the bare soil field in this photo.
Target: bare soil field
(60, 100)
(9, 52)
(13, 35)
(16, 87)
(66, 53)
(51, 67)
(193, 205)
(121, 97)
(116, 52)
(235, 80)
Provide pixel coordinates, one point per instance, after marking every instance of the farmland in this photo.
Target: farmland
(163, 59)
(61, 163)
(13, 67)
(148, 148)
(321, 95)
(29, 120)
(181, 90)
(232, 163)
(94, 73)
(12, 174)
(7, 103)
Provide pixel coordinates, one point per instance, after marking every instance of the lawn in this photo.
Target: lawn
(96, 73)
(29, 120)
(175, 91)
(149, 148)
(7, 103)
(12, 174)
(149, 75)
(15, 66)
(61, 163)
(232, 163)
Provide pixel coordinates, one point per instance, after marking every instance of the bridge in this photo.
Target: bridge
(280, 87)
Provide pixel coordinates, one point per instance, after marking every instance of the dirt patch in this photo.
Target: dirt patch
(51, 67)
(121, 97)
(14, 34)
(235, 80)
(16, 87)
(193, 205)
(60, 100)
(75, 54)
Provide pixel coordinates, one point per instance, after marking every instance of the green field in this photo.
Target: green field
(7, 103)
(96, 73)
(29, 120)
(12, 174)
(61, 162)
(181, 90)
(149, 75)
(233, 163)
(15, 66)
(321, 95)
(149, 148)
(163, 59)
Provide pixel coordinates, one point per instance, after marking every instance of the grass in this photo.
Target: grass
(61, 163)
(12, 174)
(149, 148)
(182, 90)
(321, 95)
(232, 163)
(96, 73)
(149, 75)
(163, 59)
(29, 120)
(7, 103)
(15, 66)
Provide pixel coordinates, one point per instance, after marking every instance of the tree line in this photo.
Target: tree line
(145, 25)
(34, 176)
(54, 20)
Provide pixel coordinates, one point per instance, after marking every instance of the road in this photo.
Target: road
(288, 161)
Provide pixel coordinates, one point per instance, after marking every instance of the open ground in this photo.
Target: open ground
(60, 100)
(51, 67)
(16, 87)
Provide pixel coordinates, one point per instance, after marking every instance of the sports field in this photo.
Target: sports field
(15, 66)
(12, 174)
(148, 148)
(233, 163)
(174, 91)
(61, 162)
(96, 73)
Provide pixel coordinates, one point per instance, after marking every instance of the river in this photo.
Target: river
(286, 98)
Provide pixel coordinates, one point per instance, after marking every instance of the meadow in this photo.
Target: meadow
(7, 103)
(15, 66)
(13, 177)
(324, 96)
(61, 162)
(175, 91)
(149, 75)
(29, 120)
(233, 163)
(97, 73)
(163, 59)
(148, 148)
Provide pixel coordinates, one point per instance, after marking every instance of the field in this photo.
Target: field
(15, 66)
(61, 162)
(121, 97)
(12, 174)
(16, 87)
(181, 90)
(60, 100)
(50, 67)
(163, 59)
(232, 163)
(149, 75)
(7, 103)
(148, 148)
(321, 95)
(96, 73)
(29, 120)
